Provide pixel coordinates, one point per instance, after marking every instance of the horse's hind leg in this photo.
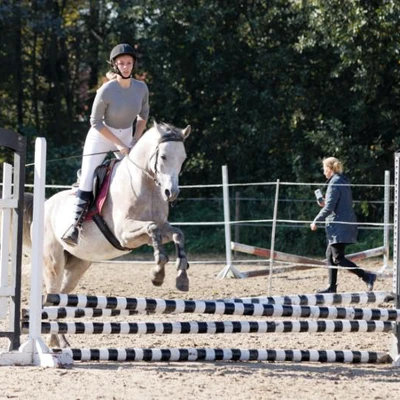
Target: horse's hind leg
(73, 272)
(54, 260)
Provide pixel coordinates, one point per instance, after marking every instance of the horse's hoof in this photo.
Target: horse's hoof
(182, 281)
(157, 277)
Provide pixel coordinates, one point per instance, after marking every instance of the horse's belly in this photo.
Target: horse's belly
(94, 246)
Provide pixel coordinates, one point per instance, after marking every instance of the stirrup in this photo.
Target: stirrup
(71, 236)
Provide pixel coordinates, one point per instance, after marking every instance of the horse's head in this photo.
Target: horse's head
(166, 156)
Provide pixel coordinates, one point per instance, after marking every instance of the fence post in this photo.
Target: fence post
(237, 217)
(395, 349)
(41, 354)
(229, 269)
(386, 221)
(271, 259)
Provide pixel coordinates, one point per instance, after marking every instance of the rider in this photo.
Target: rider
(116, 106)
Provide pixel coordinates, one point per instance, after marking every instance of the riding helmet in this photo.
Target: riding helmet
(120, 50)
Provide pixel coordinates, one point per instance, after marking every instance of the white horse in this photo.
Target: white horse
(136, 211)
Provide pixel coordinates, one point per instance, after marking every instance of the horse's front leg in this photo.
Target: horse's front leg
(176, 235)
(132, 237)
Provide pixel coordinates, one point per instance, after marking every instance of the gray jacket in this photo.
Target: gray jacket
(338, 208)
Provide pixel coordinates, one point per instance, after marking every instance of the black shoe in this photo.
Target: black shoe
(329, 289)
(370, 281)
(71, 237)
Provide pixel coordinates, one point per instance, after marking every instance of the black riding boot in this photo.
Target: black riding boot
(81, 206)
(332, 282)
(368, 277)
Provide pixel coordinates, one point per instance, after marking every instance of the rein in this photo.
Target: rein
(169, 137)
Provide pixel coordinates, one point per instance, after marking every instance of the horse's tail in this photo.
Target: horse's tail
(28, 218)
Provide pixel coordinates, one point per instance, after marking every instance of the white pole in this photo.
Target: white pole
(395, 348)
(35, 305)
(5, 225)
(271, 260)
(229, 268)
(386, 220)
(227, 217)
(41, 354)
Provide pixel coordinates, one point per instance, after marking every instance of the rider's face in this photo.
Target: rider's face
(125, 64)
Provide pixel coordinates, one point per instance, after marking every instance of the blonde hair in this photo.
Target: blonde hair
(334, 164)
(111, 75)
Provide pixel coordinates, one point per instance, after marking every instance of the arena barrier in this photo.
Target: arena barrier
(300, 262)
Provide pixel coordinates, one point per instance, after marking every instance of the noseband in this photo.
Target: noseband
(169, 137)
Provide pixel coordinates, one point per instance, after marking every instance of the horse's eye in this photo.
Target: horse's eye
(163, 157)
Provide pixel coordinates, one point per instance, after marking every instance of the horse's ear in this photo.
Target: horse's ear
(186, 132)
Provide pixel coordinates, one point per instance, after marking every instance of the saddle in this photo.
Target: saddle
(101, 185)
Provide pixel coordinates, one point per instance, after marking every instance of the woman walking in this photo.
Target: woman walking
(341, 228)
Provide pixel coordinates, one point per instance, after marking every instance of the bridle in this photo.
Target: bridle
(169, 137)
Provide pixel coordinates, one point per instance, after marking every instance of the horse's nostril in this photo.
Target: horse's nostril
(167, 193)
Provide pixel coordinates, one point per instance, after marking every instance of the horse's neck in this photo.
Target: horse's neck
(131, 180)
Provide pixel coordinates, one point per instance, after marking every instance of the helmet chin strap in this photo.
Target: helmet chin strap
(120, 74)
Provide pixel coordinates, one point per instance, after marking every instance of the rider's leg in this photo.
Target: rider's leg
(94, 152)
(81, 206)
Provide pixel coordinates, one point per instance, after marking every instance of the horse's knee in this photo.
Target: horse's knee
(151, 228)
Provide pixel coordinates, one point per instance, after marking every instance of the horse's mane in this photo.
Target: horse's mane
(167, 129)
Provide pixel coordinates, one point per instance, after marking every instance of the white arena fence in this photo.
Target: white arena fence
(233, 225)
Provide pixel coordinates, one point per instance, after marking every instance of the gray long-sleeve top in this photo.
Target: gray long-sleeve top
(118, 107)
(339, 208)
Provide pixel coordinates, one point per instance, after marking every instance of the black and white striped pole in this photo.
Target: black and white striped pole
(395, 350)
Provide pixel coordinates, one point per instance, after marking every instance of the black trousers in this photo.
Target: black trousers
(335, 255)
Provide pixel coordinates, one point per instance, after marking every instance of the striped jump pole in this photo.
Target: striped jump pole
(222, 308)
(74, 312)
(306, 299)
(203, 354)
(211, 327)
(277, 255)
(292, 258)
(318, 299)
(300, 262)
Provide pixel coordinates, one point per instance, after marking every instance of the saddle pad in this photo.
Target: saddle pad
(101, 198)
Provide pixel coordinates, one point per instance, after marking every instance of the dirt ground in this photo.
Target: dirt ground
(208, 380)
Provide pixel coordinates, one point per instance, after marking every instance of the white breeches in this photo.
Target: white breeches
(96, 143)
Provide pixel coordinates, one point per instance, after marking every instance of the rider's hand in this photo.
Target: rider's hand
(123, 150)
(313, 226)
